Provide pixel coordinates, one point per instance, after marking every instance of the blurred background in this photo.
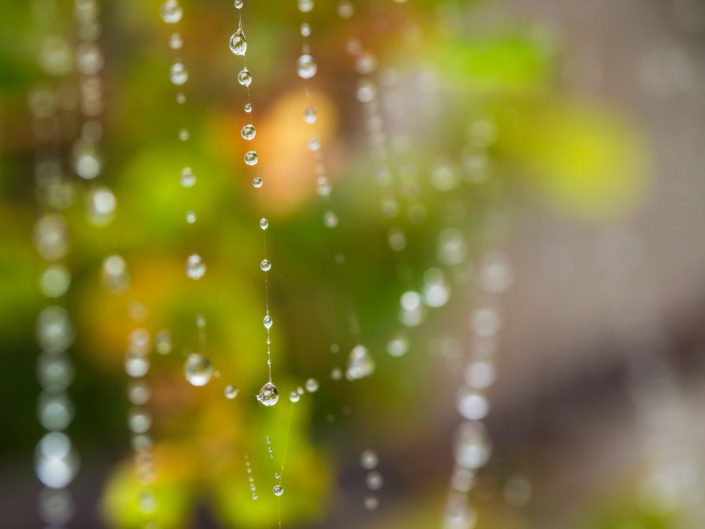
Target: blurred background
(517, 192)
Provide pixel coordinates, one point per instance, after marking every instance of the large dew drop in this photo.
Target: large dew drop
(244, 77)
(238, 43)
(248, 132)
(198, 369)
(360, 363)
(306, 66)
(268, 395)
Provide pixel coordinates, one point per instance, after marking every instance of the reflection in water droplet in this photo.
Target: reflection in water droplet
(268, 394)
(238, 43)
(178, 74)
(311, 385)
(171, 11)
(360, 363)
(306, 67)
(278, 490)
(231, 392)
(198, 369)
(244, 77)
(195, 267)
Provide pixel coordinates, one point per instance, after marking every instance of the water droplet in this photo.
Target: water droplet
(251, 158)
(398, 345)
(254, 496)
(330, 219)
(139, 420)
(184, 135)
(305, 6)
(451, 247)
(265, 265)
(257, 183)
(277, 475)
(336, 373)
(369, 459)
(178, 74)
(300, 390)
(268, 395)
(244, 77)
(480, 374)
(181, 98)
(188, 179)
(495, 273)
(114, 274)
(55, 333)
(195, 267)
(86, 160)
(198, 369)
(360, 363)
(306, 67)
(175, 41)
(485, 321)
(263, 223)
(248, 107)
(162, 342)
(171, 12)
(267, 321)
(231, 392)
(294, 396)
(436, 291)
(238, 43)
(238, 4)
(374, 480)
(314, 144)
(345, 9)
(366, 91)
(472, 405)
(190, 217)
(310, 115)
(311, 385)
(366, 63)
(248, 132)
(324, 187)
(472, 448)
(305, 30)
(371, 503)
(55, 281)
(278, 490)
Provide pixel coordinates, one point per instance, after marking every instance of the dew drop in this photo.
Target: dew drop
(248, 107)
(55, 281)
(336, 373)
(398, 345)
(345, 9)
(178, 74)
(263, 223)
(374, 480)
(198, 369)
(306, 67)
(190, 217)
(267, 322)
(162, 342)
(305, 30)
(175, 41)
(294, 396)
(312, 385)
(305, 6)
(257, 183)
(300, 390)
(188, 179)
(366, 63)
(265, 265)
(237, 4)
(230, 392)
(248, 132)
(314, 144)
(184, 135)
(244, 77)
(310, 115)
(101, 206)
(180, 98)
(268, 394)
(238, 43)
(278, 490)
(195, 267)
(472, 405)
(371, 503)
(251, 158)
(360, 363)
(171, 12)
(330, 219)
(369, 459)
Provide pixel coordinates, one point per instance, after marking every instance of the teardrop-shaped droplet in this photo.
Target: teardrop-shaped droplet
(306, 66)
(310, 115)
(248, 132)
(171, 12)
(238, 43)
(178, 74)
(244, 77)
(267, 322)
(251, 158)
(263, 223)
(198, 369)
(195, 267)
(268, 394)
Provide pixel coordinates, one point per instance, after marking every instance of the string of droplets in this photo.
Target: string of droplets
(473, 447)
(55, 461)
(268, 394)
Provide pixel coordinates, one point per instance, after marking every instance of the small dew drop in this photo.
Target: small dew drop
(345, 9)
(374, 480)
(263, 223)
(305, 6)
(251, 158)
(244, 77)
(267, 322)
(330, 219)
(265, 265)
(257, 183)
(310, 115)
(278, 490)
(238, 43)
(184, 135)
(190, 217)
(294, 396)
(175, 41)
(178, 74)
(371, 503)
(162, 342)
(248, 132)
(336, 373)
(398, 346)
(171, 12)
(180, 98)
(268, 394)
(314, 144)
(311, 385)
(369, 459)
(198, 369)
(230, 392)
(305, 30)
(306, 66)
(248, 107)
(188, 179)
(238, 4)
(195, 267)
